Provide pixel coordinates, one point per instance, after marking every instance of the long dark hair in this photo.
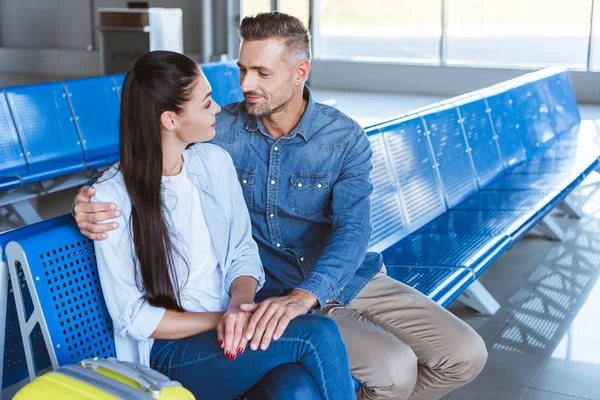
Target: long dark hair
(160, 81)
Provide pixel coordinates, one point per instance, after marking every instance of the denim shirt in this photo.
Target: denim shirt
(308, 194)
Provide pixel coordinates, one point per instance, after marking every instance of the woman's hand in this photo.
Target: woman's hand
(230, 331)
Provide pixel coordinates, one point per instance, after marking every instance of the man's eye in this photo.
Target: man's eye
(263, 74)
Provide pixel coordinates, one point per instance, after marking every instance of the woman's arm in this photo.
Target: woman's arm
(243, 291)
(179, 325)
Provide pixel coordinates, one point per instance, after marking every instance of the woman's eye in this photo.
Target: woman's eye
(208, 104)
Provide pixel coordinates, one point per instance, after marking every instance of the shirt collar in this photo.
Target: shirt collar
(304, 127)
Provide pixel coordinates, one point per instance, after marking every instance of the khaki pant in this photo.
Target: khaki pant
(402, 345)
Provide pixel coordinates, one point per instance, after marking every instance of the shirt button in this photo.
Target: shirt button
(278, 245)
(275, 148)
(319, 186)
(272, 182)
(302, 259)
(244, 181)
(271, 215)
(299, 185)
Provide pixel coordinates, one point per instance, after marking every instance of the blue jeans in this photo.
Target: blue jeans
(286, 382)
(311, 341)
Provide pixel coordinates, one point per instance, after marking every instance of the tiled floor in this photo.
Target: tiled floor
(544, 342)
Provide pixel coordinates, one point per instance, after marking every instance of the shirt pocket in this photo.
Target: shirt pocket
(309, 193)
(246, 178)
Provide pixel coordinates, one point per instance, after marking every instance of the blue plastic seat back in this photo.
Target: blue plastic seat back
(233, 73)
(119, 78)
(507, 127)
(220, 80)
(454, 164)
(563, 103)
(12, 159)
(531, 104)
(69, 292)
(45, 123)
(482, 140)
(15, 366)
(386, 212)
(96, 107)
(413, 167)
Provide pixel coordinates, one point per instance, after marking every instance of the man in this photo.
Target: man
(304, 170)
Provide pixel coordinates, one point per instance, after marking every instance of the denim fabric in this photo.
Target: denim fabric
(311, 341)
(308, 197)
(287, 382)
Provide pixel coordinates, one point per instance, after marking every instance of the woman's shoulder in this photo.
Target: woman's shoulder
(209, 150)
(214, 158)
(110, 186)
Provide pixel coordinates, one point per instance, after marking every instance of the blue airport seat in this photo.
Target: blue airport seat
(119, 78)
(95, 104)
(414, 168)
(386, 212)
(59, 265)
(507, 127)
(12, 158)
(442, 285)
(233, 73)
(45, 124)
(15, 366)
(473, 251)
(481, 139)
(451, 154)
(219, 78)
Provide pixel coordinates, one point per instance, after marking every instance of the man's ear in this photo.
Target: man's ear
(302, 71)
(169, 120)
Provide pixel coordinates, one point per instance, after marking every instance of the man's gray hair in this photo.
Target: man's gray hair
(276, 24)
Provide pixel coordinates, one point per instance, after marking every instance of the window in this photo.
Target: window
(297, 8)
(379, 29)
(251, 7)
(518, 33)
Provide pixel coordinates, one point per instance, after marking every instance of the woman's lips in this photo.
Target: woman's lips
(214, 125)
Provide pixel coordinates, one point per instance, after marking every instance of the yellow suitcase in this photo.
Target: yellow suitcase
(104, 379)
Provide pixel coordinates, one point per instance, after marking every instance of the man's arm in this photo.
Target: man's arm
(351, 215)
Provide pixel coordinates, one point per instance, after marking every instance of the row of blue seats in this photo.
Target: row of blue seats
(55, 129)
(455, 185)
(458, 182)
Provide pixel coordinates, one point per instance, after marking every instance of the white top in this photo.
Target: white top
(210, 226)
(191, 237)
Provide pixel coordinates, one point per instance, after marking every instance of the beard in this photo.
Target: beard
(266, 108)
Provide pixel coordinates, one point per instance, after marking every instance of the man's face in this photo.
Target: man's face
(266, 76)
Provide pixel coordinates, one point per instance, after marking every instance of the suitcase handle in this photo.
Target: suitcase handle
(149, 380)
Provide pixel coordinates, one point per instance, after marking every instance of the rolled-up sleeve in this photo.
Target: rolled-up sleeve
(131, 314)
(243, 251)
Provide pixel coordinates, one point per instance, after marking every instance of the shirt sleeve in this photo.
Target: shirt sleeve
(351, 216)
(132, 315)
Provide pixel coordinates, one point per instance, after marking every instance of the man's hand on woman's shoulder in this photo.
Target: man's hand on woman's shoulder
(87, 214)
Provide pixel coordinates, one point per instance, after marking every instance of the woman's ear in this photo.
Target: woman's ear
(169, 120)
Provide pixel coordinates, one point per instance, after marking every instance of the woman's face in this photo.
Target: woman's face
(197, 119)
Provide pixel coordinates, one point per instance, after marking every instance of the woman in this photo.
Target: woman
(183, 259)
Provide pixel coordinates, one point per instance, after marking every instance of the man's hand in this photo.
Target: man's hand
(87, 214)
(272, 316)
(230, 332)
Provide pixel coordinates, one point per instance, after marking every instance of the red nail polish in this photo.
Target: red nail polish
(240, 350)
(227, 354)
(221, 343)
